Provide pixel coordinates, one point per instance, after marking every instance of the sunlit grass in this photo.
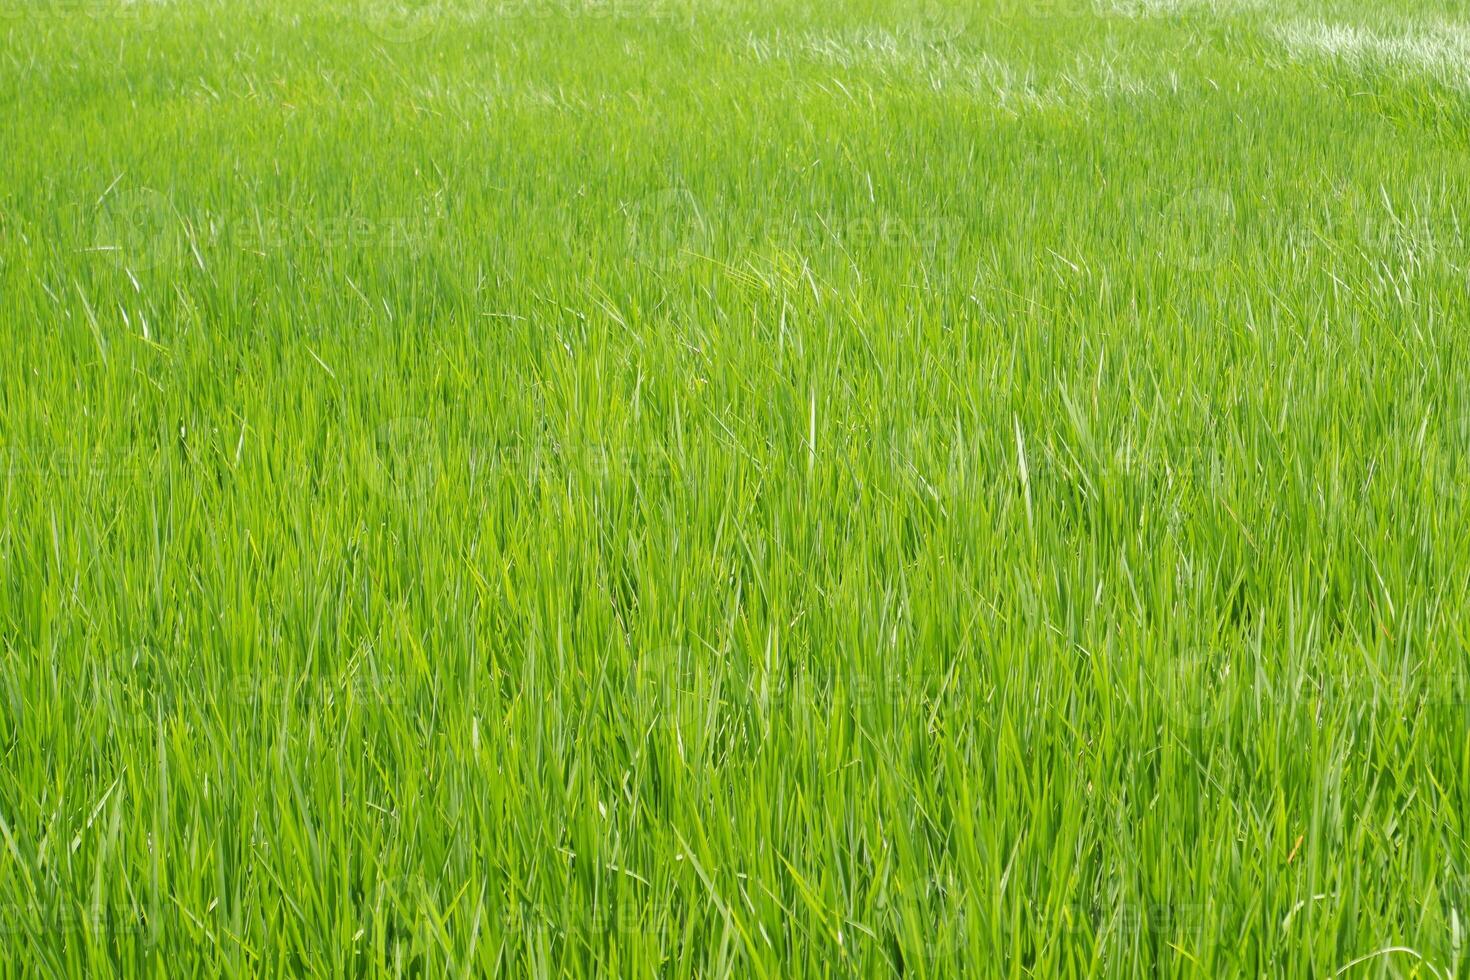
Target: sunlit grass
(708, 488)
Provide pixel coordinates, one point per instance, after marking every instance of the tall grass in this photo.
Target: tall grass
(637, 487)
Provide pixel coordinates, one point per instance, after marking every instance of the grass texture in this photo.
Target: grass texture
(734, 488)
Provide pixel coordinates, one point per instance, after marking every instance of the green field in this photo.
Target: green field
(735, 488)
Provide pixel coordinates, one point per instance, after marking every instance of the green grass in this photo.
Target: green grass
(733, 488)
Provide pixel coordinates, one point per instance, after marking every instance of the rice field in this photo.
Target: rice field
(735, 488)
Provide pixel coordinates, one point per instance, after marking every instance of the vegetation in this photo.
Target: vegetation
(732, 488)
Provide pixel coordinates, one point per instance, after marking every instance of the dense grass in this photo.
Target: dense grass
(717, 487)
